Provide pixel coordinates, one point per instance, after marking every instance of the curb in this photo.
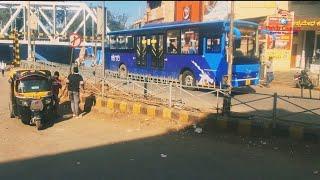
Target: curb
(242, 127)
(143, 109)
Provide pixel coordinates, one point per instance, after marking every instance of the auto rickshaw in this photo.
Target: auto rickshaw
(31, 98)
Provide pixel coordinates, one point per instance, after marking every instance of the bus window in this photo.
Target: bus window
(113, 42)
(121, 42)
(213, 45)
(160, 52)
(157, 51)
(173, 41)
(247, 44)
(189, 41)
(154, 48)
(141, 46)
(129, 42)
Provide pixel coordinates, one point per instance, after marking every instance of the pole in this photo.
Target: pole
(54, 21)
(230, 48)
(103, 45)
(29, 33)
(71, 57)
(170, 94)
(274, 113)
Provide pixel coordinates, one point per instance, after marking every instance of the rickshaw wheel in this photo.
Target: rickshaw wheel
(39, 125)
(11, 111)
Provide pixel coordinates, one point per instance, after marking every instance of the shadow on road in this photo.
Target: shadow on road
(182, 154)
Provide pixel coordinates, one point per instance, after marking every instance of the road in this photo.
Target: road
(122, 146)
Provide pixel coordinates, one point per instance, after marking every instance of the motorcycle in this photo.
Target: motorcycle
(302, 80)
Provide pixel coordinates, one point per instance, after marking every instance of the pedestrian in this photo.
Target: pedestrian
(82, 55)
(269, 70)
(75, 82)
(56, 86)
(3, 67)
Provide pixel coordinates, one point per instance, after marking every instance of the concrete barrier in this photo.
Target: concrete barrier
(242, 127)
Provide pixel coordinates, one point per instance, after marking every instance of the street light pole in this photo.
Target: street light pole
(230, 52)
(29, 33)
(103, 44)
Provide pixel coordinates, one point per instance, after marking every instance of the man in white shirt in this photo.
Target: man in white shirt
(3, 67)
(270, 75)
(82, 55)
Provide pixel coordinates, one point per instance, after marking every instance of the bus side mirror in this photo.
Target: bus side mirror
(237, 43)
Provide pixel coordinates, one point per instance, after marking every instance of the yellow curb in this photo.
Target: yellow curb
(166, 113)
(296, 132)
(136, 109)
(110, 104)
(183, 116)
(123, 107)
(99, 103)
(151, 111)
(244, 127)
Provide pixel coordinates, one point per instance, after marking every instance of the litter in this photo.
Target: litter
(198, 130)
(163, 155)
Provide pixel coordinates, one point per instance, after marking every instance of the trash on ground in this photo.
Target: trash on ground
(163, 155)
(198, 130)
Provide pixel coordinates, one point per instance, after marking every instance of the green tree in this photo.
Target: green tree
(116, 22)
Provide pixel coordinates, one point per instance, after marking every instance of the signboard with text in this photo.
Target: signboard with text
(279, 37)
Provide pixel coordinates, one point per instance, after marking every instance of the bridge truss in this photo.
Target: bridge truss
(56, 20)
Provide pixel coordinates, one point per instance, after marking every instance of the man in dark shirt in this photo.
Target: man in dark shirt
(74, 82)
(56, 86)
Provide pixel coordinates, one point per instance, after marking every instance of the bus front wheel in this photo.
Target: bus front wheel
(188, 79)
(123, 72)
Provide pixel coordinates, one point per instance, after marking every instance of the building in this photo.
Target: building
(295, 47)
(306, 43)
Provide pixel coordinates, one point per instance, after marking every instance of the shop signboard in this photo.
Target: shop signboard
(279, 36)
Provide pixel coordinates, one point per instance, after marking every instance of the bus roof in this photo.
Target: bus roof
(172, 25)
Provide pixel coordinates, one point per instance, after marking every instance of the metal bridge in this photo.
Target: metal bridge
(55, 19)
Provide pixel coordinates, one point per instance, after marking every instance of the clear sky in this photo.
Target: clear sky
(134, 9)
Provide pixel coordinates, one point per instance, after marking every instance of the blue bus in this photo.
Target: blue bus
(194, 53)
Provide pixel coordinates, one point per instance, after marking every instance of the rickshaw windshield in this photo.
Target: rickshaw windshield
(33, 84)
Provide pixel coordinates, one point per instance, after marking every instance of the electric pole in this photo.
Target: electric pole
(230, 48)
(102, 44)
(29, 33)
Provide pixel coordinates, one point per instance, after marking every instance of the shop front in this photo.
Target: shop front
(306, 44)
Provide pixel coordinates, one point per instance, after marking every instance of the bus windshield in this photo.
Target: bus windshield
(245, 47)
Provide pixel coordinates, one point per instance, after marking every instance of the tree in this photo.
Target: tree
(116, 22)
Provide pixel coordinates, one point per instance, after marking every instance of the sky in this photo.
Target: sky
(134, 9)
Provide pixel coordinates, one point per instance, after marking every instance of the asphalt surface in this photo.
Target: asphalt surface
(115, 146)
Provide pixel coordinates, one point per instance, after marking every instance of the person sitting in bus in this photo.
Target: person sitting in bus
(172, 47)
(193, 48)
(186, 46)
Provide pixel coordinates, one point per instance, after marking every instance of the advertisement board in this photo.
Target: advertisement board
(279, 37)
(188, 11)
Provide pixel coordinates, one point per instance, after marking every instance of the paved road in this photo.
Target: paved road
(115, 146)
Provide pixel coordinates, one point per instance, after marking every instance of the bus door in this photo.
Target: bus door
(213, 53)
(155, 53)
(141, 54)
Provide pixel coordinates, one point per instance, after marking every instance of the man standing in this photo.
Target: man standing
(82, 55)
(3, 67)
(74, 82)
(56, 86)
(270, 75)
